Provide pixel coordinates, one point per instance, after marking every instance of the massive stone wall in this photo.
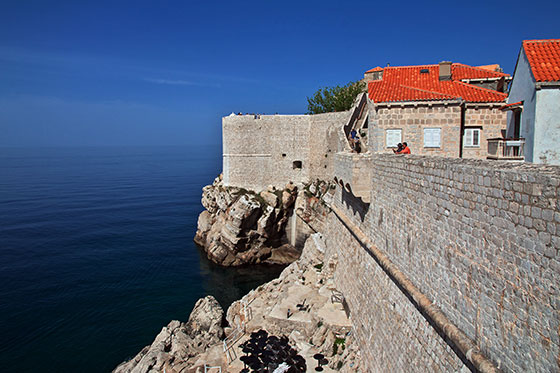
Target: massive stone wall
(479, 238)
(392, 334)
(274, 149)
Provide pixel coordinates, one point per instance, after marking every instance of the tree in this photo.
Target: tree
(338, 98)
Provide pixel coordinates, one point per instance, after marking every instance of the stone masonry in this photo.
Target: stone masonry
(491, 120)
(274, 149)
(413, 117)
(480, 239)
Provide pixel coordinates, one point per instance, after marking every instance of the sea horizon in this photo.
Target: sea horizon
(97, 251)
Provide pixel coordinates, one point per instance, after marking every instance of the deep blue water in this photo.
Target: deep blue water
(96, 252)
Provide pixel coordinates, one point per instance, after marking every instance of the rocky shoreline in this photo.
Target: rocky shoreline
(242, 227)
(320, 326)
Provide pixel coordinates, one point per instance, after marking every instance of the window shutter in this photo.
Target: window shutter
(468, 137)
(432, 137)
(393, 137)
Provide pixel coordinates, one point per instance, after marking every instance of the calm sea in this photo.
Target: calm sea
(96, 253)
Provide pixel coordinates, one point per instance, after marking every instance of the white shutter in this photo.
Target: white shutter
(393, 137)
(432, 137)
(468, 137)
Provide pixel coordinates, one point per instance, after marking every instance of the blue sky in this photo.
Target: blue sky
(118, 72)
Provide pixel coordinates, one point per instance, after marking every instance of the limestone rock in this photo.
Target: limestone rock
(270, 198)
(179, 343)
(242, 227)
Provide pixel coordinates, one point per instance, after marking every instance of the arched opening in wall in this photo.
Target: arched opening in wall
(296, 165)
(283, 155)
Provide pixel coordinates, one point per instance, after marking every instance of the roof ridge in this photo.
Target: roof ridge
(541, 41)
(481, 69)
(409, 66)
(480, 88)
(427, 91)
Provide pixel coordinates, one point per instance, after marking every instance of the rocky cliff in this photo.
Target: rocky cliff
(301, 305)
(247, 227)
(179, 344)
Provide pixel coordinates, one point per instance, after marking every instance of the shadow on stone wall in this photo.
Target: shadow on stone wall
(352, 202)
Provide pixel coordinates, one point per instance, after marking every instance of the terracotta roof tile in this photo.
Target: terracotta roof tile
(461, 71)
(420, 83)
(544, 58)
(492, 67)
(378, 68)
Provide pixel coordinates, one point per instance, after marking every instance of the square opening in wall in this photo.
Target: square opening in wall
(297, 165)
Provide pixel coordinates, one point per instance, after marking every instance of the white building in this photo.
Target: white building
(534, 102)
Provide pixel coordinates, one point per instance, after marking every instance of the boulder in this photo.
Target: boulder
(179, 344)
(270, 198)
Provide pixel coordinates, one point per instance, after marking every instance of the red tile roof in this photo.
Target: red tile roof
(461, 71)
(493, 67)
(544, 58)
(419, 83)
(378, 68)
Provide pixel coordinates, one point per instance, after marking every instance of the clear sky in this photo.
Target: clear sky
(164, 72)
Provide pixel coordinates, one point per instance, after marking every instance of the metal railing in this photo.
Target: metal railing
(506, 149)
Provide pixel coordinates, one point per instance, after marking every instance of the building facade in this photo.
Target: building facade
(534, 101)
(449, 109)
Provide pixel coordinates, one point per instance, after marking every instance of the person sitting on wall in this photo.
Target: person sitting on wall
(352, 139)
(405, 149)
(398, 149)
(357, 145)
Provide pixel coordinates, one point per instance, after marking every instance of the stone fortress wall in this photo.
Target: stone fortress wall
(479, 238)
(274, 149)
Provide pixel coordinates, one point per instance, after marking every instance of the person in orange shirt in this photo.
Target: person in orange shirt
(406, 149)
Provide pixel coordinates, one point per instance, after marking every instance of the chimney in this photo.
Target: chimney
(445, 70)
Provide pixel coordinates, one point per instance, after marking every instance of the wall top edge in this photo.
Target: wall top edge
(485, 164)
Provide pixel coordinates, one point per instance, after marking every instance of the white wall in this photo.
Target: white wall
(547, 126)
(523, 89)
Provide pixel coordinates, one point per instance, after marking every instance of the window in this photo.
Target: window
(297, 165)
(472, 137)
(432, 137)
(393, 137)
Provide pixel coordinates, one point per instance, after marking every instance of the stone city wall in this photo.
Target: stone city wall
(274, 149)
(392, 334)
(479, 238)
